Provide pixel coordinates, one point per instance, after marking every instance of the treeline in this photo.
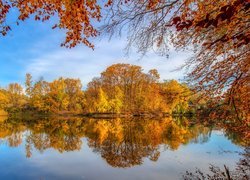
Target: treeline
(121, 88)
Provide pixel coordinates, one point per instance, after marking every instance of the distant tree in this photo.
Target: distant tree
(102, 104)
(116, 103)
(124, 86)
(73, 89)
(28, 84)
(16, 95)
(38, 98)
(4, 99)
(176, 96)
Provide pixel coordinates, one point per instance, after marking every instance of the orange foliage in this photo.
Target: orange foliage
(216, 30)
(76, 16)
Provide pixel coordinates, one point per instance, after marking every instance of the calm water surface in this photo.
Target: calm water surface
(83, 148)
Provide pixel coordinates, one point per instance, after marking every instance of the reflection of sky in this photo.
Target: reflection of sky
(85, 164)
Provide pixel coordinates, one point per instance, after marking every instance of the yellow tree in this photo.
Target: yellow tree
(73, 89)
(176, 96)
(91, 94)
(38, 94)
(57, 96)
(16, 96)
(128, 89)
(28, 84)
(117, 102)
(102, 102)
(4, 99)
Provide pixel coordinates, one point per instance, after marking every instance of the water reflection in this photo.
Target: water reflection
(121, 142)
(241, 171)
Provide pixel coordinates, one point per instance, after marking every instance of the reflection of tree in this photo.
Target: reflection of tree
(124, 143)
(12, 132)
(242, 170)
(15, 139)
(238, 134)
(60, 134)
(236, 131)
(121, 142)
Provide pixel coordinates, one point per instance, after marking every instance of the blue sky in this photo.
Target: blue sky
(33, 47)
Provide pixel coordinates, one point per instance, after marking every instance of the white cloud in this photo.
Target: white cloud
(84, 63)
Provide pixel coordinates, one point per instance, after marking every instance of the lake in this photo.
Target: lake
(121, 148)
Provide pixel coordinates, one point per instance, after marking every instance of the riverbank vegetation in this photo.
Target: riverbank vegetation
(218, 70)
(122, 89)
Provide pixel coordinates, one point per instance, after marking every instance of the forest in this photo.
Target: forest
(218, 71)
(121, 88)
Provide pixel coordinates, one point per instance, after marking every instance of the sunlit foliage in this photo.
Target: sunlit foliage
(126, 88)
(75, 16)
(216, 30)
(4, 99)
(59, 95)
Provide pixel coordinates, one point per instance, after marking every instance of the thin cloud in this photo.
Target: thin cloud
(85, 64)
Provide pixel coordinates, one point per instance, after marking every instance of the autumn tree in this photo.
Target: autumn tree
(16, 96)
(102, 104)
(63, 94)
(28, 84)
(73, 89)
(4, 99)
(74, 16)
(217, 32)
(91, 94)
(177, 96)
(127, 89)
(38, 94)
(116, 103)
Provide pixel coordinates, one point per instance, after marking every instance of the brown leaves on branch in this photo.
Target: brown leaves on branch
(225, 13)
(218, 31)
(76, 16)
(4, 9)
